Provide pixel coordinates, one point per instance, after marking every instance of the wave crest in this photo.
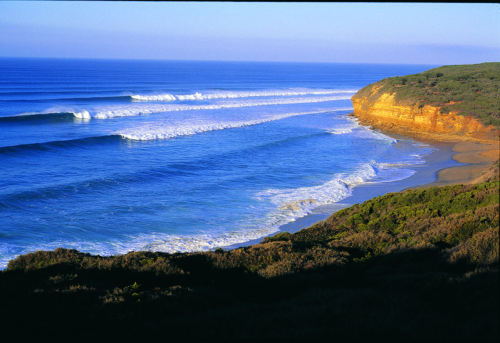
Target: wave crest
(127, 111)
(298, 202)
(165, 132)
(237, 94)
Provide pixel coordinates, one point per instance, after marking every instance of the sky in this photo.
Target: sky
(407, 33)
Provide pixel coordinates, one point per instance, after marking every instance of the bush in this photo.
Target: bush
(420, 264)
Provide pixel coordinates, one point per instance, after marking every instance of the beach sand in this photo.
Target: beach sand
(478, 159)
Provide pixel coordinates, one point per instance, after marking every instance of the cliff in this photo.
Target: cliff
(453, 103)
(387, 115)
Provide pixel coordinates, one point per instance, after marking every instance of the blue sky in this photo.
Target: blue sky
(423, 33)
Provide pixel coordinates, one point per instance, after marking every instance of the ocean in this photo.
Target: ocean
(112, 156)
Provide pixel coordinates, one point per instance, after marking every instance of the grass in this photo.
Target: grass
(416, 265)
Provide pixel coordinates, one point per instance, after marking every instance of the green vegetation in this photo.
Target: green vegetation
(417, 265)
(466, 89)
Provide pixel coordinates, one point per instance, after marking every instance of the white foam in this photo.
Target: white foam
(195, 96)
(294, 203)
(161, 97)
(82, 115)
(361, 131)
(173, 244)
(340, 130)
(380, 136)
(367, 133)
(161, 242)
(390, 172)
(161, 131)
(240, 94)
(147, 109)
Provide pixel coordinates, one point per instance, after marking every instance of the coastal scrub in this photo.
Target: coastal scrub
(420, 264)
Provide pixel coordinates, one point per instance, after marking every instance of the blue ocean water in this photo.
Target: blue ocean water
(110, 156)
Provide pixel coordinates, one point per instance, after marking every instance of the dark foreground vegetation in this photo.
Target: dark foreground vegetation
(420, 265)
(466, 89)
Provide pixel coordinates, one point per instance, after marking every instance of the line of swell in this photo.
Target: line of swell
(39, 117)
(42, 97)
(46, 146)
(157, 132)
(235, 95)
(130, 110)
(87, 185)
(98, 184)
(138, 110)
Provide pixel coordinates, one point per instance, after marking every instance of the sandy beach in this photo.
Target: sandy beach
(478, 159)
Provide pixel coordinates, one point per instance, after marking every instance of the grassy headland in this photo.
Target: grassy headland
(417, 265)
(466, 89)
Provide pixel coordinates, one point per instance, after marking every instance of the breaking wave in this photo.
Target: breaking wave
(236, 94)
(157, 131)
(294, 203)
(138, 110)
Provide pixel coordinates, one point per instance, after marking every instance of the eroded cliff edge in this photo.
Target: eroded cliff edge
(452, 103)
(387, 115)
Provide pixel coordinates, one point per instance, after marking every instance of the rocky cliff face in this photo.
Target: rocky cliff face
(386, 114)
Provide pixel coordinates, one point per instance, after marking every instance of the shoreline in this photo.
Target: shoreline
(452, 162)
(478, 159)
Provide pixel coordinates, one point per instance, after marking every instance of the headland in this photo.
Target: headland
(456, 104)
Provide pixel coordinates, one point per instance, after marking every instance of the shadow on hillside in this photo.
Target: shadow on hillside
(405, 295)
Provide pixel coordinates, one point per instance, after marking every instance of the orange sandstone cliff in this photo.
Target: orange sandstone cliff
(386, 114)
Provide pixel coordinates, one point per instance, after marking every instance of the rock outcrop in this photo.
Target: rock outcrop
(386, 114)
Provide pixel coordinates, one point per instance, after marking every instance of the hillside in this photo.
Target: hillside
(420, 265)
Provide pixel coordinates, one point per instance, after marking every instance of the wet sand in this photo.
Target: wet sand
(478, 159)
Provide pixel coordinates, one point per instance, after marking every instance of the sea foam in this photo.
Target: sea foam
(236, 94)
(162, 131)
(147, 109)
(293, 203)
